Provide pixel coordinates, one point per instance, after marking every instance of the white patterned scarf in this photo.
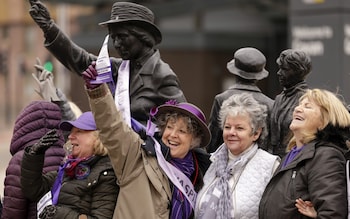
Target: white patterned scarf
(218, 199)
(122, 98)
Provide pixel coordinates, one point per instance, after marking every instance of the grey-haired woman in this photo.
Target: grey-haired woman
(235, 181)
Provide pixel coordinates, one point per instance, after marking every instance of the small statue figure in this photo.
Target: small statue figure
(294, 66)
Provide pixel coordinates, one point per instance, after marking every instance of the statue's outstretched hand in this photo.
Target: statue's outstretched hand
(40, 14)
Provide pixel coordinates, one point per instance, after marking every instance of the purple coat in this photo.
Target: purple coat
(31, 124)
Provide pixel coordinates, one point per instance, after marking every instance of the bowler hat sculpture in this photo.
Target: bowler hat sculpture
(248, 63)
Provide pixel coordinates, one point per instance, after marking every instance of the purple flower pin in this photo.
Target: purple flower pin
(171, 102)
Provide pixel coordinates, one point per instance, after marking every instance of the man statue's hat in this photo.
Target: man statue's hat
(248, 63)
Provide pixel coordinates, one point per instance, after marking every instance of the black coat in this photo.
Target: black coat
(94, 196)
(316, 174)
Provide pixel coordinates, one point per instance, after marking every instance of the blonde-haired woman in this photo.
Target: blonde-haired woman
(85, 185)
(314, 168)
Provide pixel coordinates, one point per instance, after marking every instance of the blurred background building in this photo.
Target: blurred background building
(199, 38)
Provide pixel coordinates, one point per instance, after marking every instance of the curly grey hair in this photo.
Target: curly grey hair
(246, 104)
(192, 125)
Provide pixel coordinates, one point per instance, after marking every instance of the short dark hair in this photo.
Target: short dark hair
(297, 60)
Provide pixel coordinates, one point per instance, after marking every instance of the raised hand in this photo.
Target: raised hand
(40, 14)
(44, 79)
(90, 74)
(45, 142)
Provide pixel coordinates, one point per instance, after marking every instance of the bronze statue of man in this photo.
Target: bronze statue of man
(294, 66)
(134, 35)
(247, 67)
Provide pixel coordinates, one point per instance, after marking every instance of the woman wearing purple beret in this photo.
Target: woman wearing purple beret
(159, 176)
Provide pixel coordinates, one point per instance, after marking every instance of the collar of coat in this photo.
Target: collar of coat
(336, 135)
(330, 136)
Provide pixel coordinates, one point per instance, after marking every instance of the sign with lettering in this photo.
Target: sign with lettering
(326, 38)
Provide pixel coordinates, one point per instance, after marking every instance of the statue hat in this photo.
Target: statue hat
(135, 14)
(248, 63)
